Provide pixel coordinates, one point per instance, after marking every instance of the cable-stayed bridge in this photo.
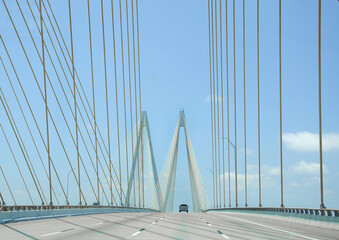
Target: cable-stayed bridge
(76, 148)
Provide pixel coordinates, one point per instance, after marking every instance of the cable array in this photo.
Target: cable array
(51, 147)
(216, 81)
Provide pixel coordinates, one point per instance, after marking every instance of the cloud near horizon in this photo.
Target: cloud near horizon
(309, 142)
(248, 151)
(303, 167)
(209, 99)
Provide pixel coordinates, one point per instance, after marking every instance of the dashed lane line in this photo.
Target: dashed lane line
(67, 230)
(222, 234)
(54, 233)
(142, 229)
(138, 232)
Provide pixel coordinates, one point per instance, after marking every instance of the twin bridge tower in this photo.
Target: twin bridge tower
(164, 183)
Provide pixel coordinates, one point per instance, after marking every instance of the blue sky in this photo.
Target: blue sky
(175, 75)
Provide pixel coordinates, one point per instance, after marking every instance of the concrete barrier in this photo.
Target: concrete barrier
(27, 215)
(321, 221)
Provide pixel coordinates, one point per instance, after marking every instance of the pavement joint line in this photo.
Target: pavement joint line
(281, 230)
(222, 234)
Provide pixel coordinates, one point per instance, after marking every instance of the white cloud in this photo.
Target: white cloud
(248, 151)
(252, 168)
(252, 180)
(209, 98)
(309, 142)
(303, 167)
(306, 182)
(265, 169)
(19, 192)
(271, 170)
(328, 191)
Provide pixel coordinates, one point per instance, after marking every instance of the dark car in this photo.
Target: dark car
(183, 207)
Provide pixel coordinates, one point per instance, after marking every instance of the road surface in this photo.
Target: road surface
(164, 226)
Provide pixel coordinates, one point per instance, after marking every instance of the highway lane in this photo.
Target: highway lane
(164, 226)
(252, 226)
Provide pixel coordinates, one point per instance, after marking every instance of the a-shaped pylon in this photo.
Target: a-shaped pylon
(199, 196)
(144, 132)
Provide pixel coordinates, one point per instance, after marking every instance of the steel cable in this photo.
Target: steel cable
(258, 105)
(10, 191)
(244, 59)
(116, 101)
(123, 81)
(222, 109)
(209, 44)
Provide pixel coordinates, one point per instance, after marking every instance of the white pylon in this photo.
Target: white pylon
(199, 196)
(143, 125)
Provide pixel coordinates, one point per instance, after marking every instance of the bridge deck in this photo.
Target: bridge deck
(166, 226)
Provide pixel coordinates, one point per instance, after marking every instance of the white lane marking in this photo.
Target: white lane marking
(53, 233)
(277, 229)
(49, 234)
(107, 221)
(136, 233)
(223, 235)
(67, 230)
(227, 237)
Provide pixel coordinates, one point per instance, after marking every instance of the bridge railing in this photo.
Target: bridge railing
(306, 211)
(5, 208)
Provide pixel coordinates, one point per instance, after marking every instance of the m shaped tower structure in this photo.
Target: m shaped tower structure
(166, 182)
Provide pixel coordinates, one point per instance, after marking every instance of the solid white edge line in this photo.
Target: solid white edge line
(281, 230)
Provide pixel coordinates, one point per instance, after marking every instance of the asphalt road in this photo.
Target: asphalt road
(164, 226)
